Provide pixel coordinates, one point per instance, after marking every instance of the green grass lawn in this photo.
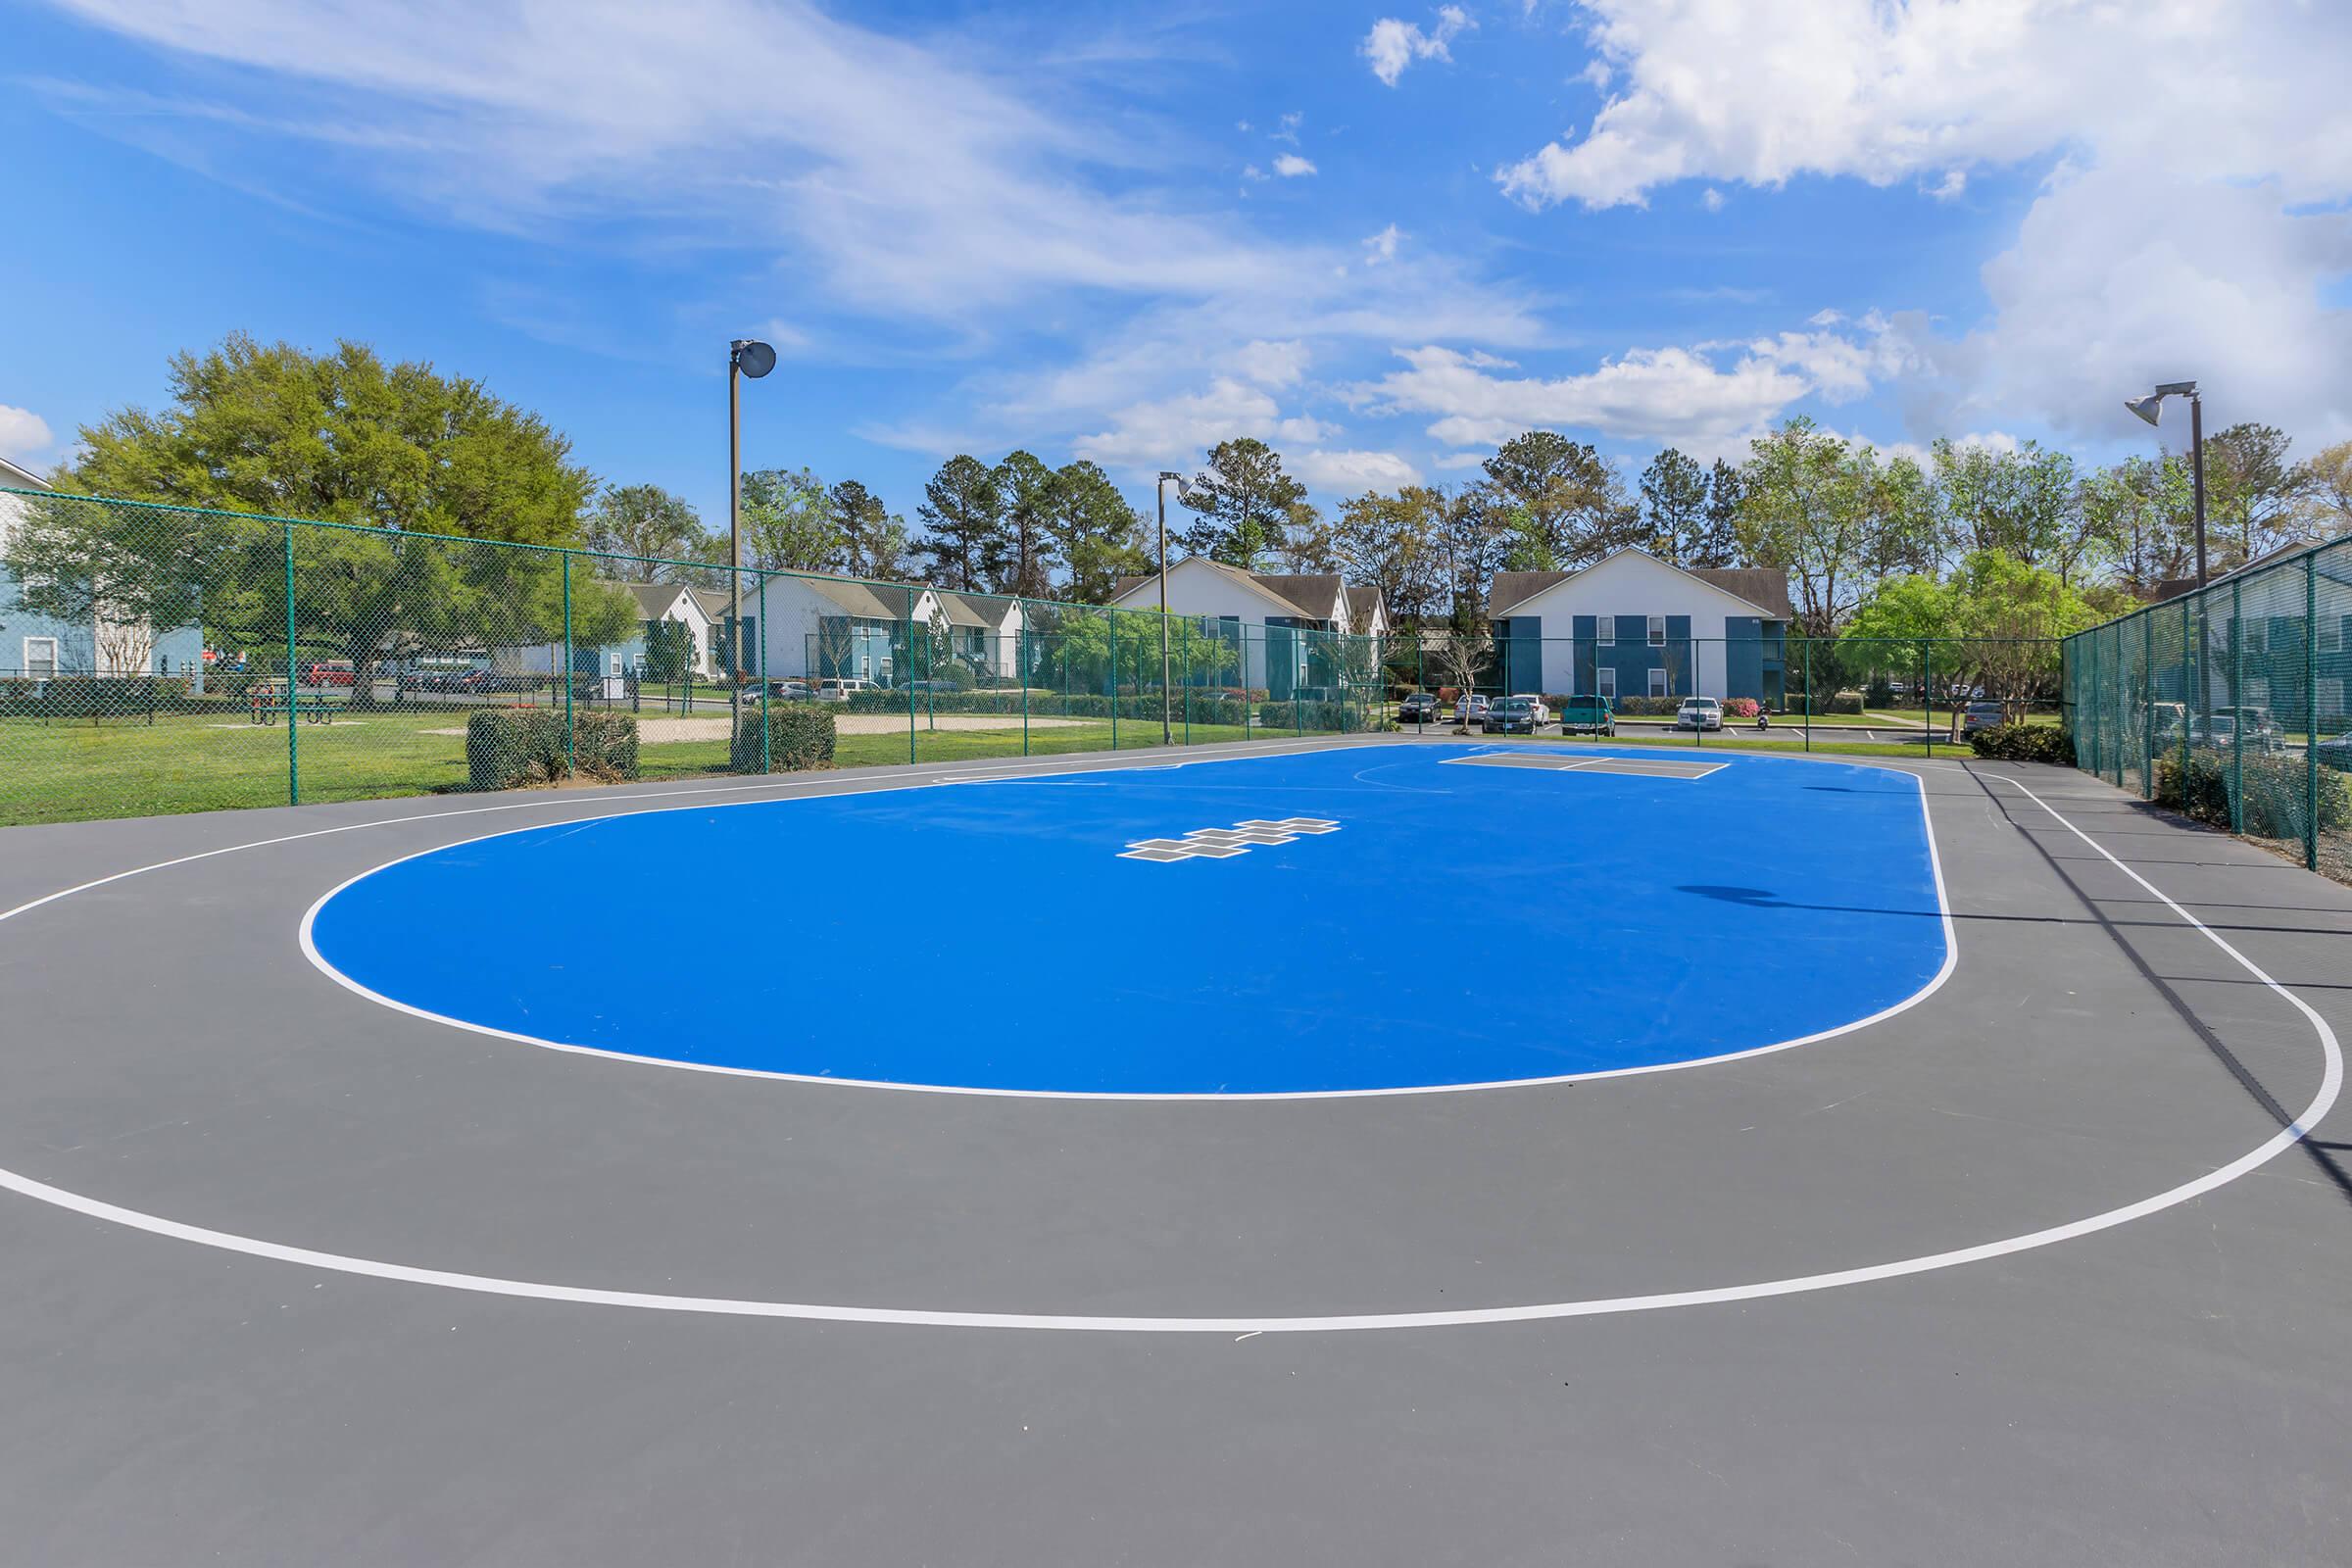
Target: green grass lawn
(62, 771)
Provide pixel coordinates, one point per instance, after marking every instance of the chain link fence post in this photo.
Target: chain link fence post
(293, 702)
(571, 670)
(2311, 712)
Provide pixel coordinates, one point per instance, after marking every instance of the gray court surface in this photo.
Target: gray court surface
(293, 1278)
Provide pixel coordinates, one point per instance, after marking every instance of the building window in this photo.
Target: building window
(1604, 631)
(2331, 698)
(1657, 633)
(1608, 680)
(2331, 636)
(2256, 635)
(40, 658)
(2258, 691)
(1657, 681)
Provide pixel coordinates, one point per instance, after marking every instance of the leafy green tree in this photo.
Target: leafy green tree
(1098, 536)
(1024, 488)
(1561, 501)
(2254, 495)
(1305, 544)
(2327, 493)
(963, 517)
(1395, 544)
(668, 651)
(1906, 609)
(1718, 543)
(2022, 503)
(1807, 507)
(1674, 504)
(789, 524)
(341, 437)
(874, 540)
(1243, 499)
(392, 451)
(647, 531)
(2143, 513)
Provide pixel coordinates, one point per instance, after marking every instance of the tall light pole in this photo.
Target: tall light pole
(2148, 408)
(1182, 488)
(746, 356)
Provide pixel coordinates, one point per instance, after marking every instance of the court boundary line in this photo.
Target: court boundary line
(325, 967)
(2331, 1087)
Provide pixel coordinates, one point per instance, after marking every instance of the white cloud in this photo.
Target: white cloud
(1709, 397)
(1352, 473)
(1145, 437)
(1252, 172)
(1393, 44)
(904, 180)
(1382, 247)
(2159, 245)
(1290, 165)
(1288, 129)
(1711, 199)
(1728, 89)
(23, 435)
(1273, 363)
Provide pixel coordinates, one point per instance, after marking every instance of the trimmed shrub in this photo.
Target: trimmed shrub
(509, 746)
(2024, 742)
(1742, 707)
(800, 738)
(2274, 793)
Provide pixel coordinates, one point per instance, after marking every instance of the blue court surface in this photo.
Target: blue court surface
(1383, 917)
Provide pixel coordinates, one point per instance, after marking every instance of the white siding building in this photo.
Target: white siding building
(1633, 625)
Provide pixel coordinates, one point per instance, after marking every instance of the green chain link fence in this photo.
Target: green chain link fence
(159, 659)
(2230, 704)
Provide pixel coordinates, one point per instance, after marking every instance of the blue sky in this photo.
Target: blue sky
(1382, 238)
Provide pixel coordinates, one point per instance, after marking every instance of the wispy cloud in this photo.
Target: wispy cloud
(1394, 43)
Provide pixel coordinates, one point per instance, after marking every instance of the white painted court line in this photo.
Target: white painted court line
(318, 961)
(2331, 1084)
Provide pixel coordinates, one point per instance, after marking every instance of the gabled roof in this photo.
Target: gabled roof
(1283, 590)
(717, 602)
(15, 477)
(1317, 592)
(654, 599)
(1765, 587)
(1761, 588)
(1512, 588)
(974, 610)
(1363, 608)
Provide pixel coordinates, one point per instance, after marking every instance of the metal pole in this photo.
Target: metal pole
(571, 754)
(1020, 650)
(767, 760)
(2237, 700)
(2196, 446)
(1926, 691)
(293, 704)
(2147, 705)
(1421, 681)
(2311, 712)
(2185, 605)
(907, 676)
(734, 536)
(1161, 490)
(1112, 618)
(1808, 647)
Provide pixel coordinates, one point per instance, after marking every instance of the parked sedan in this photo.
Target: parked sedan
(1698, 712)
(1981, 715)
(1419, 708)
(1470, 709)
(1521, 714)
(2336, 754)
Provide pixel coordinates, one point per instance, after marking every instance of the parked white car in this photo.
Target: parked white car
(837, 690)
(1698, 712)
(1542, 708)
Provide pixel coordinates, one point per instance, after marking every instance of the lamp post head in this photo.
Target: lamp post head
(752, 356)
(2146, 408)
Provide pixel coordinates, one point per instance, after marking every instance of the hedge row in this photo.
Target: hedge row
(2024, 742)
(1209, 704)
(2275, 794)
(508, 747)
(800, 737)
